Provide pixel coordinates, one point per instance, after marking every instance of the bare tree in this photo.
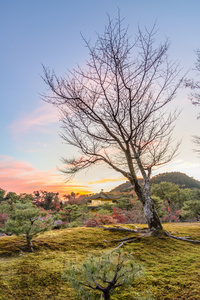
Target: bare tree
(114, 109)
(195, 94)
(195, 85)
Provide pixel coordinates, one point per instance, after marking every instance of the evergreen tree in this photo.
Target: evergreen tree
(191, 207)
(26, 219)
(103, 274)
(169, 193)
(125, 202)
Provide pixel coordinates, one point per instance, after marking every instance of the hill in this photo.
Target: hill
(181, 179)
(124, 187)
(171, 267)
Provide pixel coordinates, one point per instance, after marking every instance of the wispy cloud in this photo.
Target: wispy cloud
(36, 120)
(21, 177)
(105, 180)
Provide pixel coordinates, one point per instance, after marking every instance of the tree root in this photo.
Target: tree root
(185, 239)
(123, 241)
(142, 233)
(119, 228)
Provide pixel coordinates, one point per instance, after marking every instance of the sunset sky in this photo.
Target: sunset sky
(48, 32)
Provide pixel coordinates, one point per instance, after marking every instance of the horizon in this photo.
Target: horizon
(86, 193)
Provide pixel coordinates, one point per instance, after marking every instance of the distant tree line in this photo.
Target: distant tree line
(32, 214)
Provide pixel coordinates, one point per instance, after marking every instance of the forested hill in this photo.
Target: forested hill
(181, 179)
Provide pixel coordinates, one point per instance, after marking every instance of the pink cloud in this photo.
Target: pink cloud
(37, 119)
(21, 177)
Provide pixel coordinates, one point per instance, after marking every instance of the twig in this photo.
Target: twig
(118, 246)
(122, 240)
(125, 240)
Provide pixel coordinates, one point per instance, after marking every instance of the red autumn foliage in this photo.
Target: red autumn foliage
(3, 219)
(172, 216)
(56, 206)
(92, 222)
(119, 215)
(98, 220)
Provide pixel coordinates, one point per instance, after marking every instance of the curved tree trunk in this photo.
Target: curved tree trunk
(152, 217)
(116, 109)
(153, 220)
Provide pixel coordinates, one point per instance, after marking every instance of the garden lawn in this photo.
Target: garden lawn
(171, 267)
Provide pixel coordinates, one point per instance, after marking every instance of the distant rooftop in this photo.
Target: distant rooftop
(102, 195)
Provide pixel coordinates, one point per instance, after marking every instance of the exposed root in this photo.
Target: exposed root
(123, 229)
(124, 241)
(185, 239)
(116, 247)
(142, 233)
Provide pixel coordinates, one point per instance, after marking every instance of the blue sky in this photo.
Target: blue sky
(47, 32)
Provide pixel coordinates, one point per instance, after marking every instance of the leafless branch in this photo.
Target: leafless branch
(115, 110)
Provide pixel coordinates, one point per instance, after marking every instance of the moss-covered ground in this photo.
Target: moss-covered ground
(171, 267)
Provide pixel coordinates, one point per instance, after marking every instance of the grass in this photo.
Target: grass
(171, 267)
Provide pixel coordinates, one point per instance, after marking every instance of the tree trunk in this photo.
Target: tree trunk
(169, 217)
(153, 220)
(169, 211)
(106, 295)
(29, 243)
(152, 217)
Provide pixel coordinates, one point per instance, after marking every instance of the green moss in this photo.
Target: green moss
(172, 267)
(11, 245)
